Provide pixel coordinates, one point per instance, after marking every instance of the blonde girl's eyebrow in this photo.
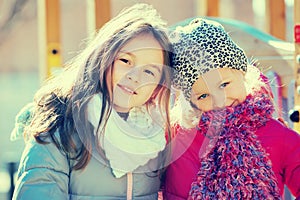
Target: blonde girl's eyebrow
(223, 79)
(155, 67)
(125, 53)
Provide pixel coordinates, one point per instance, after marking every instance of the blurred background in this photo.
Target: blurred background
(22, 54)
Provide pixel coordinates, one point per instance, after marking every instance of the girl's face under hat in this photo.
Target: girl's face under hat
(218, 88)
(200, 47)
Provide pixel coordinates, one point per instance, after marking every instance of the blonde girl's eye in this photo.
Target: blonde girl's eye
(126, 61)
(152, 71)
(202, 96)
(224, 85)
(147, 71)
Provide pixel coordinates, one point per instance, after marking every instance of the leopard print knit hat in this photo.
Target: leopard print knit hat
(200, 46)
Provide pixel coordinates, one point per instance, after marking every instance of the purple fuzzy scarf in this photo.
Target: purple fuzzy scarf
(235, 166)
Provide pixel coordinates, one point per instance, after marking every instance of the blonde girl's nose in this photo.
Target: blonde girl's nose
(134, 74)
(219, 101)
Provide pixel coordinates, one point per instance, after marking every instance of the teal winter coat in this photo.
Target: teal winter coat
(47, 173)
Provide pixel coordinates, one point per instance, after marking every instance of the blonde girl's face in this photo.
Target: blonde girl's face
(136, 72)
(219, 88)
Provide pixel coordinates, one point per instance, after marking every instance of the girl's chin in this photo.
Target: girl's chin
(121, 108)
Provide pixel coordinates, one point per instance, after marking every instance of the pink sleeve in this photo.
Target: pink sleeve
(292, 162)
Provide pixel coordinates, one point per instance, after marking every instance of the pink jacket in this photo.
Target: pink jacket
(281, 143)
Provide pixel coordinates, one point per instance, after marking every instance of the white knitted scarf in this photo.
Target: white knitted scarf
(132, 143)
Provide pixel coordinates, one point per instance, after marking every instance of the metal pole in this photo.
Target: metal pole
(49, 37)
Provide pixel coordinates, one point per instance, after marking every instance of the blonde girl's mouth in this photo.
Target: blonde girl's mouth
(126, 89)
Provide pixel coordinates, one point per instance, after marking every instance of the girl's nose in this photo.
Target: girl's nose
(134, 74)
(219, 101)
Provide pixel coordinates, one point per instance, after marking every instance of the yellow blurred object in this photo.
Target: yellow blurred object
(49, 36)
(53, 59)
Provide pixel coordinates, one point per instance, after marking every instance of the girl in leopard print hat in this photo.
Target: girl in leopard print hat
(236, 150)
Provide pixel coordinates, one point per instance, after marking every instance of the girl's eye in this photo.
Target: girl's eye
(124, 60)
(202, 96)
(149, 72)
(224, 85)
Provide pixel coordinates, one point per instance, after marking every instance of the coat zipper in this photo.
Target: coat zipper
(129, 186)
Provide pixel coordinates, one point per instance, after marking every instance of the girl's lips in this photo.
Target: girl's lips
(126, 89)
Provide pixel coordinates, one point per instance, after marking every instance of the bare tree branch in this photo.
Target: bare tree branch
(13, 16)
